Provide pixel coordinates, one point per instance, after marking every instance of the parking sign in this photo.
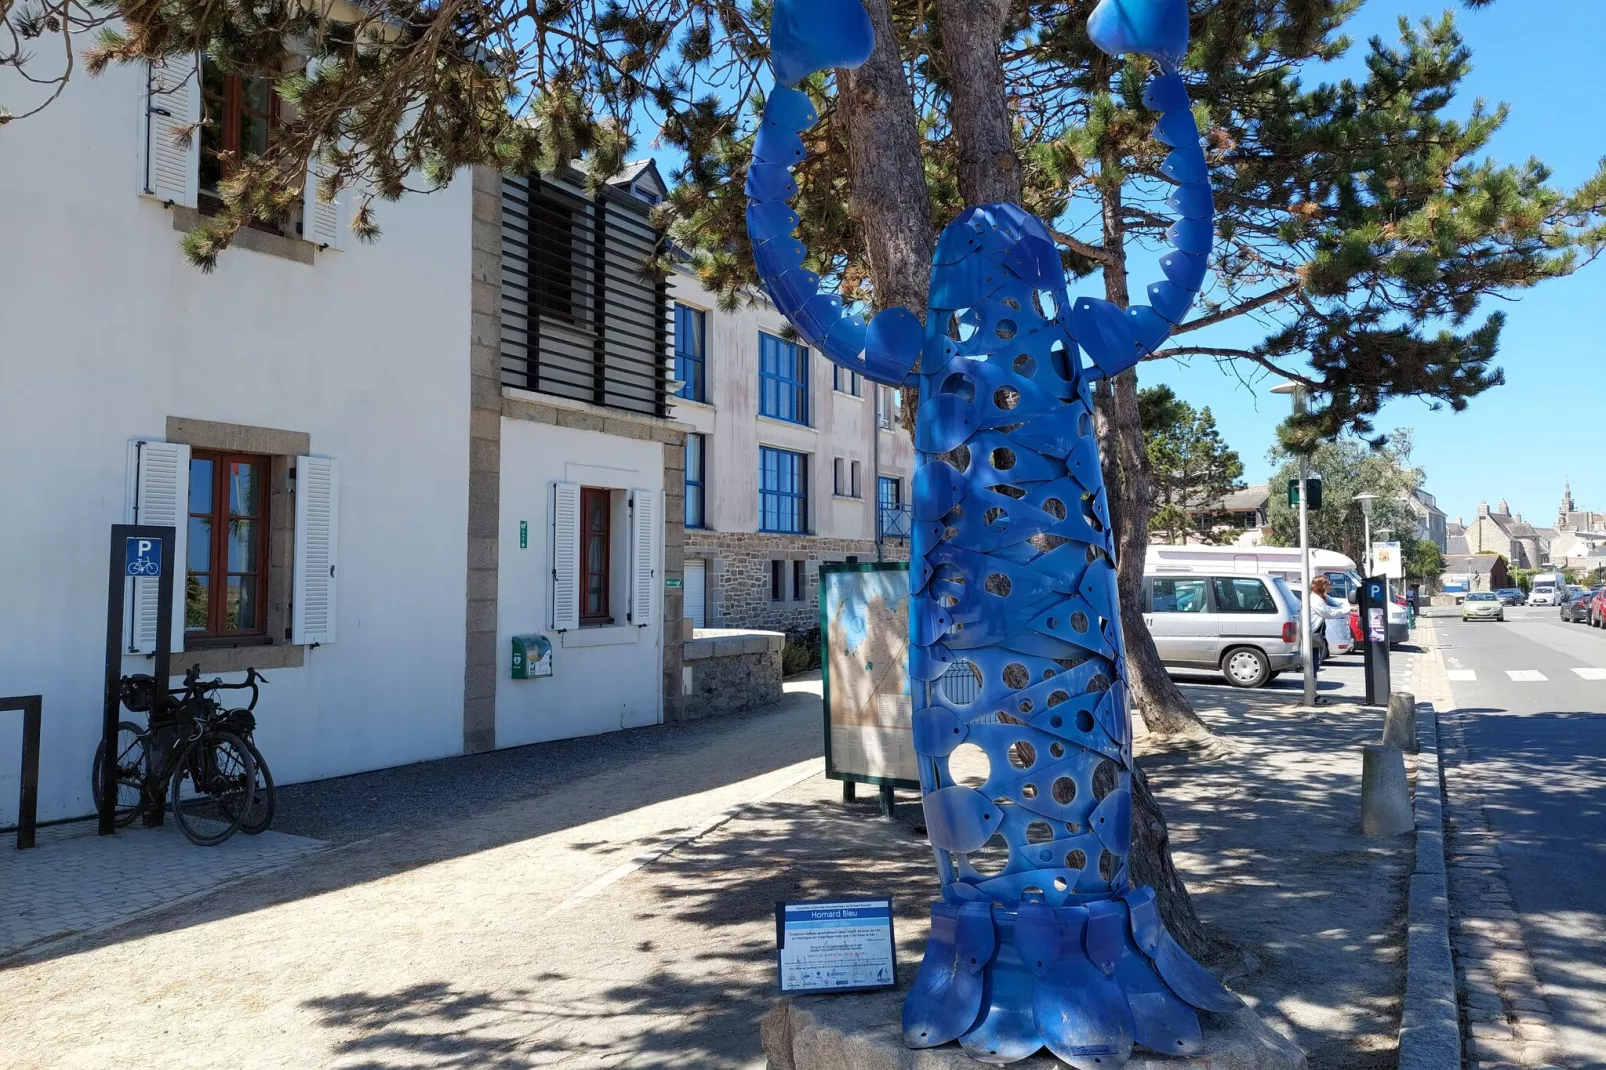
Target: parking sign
(144, 558)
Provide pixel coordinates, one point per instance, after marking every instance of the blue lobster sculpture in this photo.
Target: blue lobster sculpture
(1011, 577)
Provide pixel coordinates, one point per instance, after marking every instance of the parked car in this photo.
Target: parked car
(1575, 607)
(1355, 628)
(1597, 610)
(1512, 596)
(1483, 605)
(1244, 626)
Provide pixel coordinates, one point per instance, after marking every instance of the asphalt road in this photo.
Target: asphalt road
(1534, 692)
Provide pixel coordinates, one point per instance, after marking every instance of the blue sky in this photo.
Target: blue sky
(1521, 440)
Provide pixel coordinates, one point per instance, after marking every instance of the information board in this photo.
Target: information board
(864, 627)
(844, 945)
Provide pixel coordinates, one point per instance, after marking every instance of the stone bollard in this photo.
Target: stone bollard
(1399, 724)
(1385, 796)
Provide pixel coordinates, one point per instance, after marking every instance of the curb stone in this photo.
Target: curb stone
(1430, 1026)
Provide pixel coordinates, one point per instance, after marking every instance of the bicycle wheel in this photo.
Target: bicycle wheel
(259, 815)
(211, 782)
(131, 766)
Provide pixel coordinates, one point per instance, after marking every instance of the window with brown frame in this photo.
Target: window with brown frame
(596, 547)
(241, 114)
(226, 575)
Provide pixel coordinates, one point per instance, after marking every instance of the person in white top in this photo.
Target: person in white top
(1328, 614)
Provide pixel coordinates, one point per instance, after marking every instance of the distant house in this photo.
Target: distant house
(1466, 573)
(1497, 531)
(1431, 523)
(1246, 509)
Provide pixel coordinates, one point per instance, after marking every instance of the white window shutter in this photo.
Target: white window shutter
(565, 556)
(312, 613)
(170, 171)
(161, 496)
(644, 514)
(322, 222)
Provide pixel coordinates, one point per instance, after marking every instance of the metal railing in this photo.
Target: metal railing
(893, 521)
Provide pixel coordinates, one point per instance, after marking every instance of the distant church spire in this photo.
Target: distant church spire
(1567, 508)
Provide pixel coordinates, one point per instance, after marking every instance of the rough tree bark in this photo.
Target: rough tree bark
(1164, 707)
(970, 31)
(887, 194)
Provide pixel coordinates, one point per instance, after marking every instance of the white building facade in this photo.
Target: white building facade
(367, 503)
(790, 462)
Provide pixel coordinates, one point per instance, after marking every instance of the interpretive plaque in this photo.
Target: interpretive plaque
(844, 945)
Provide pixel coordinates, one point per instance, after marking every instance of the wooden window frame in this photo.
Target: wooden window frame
(218, 573)
(587, 496)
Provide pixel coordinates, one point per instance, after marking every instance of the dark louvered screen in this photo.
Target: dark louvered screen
(581, 318)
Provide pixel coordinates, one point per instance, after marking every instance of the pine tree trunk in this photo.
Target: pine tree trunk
(989, 170)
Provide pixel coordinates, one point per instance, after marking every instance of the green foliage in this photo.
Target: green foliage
(1349, 466)
(1423, 559)
(1189, 464)
(1523, 578)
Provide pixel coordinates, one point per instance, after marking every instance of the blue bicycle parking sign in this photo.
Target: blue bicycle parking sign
(144, 557)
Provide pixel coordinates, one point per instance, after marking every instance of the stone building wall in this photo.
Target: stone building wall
(739, 575)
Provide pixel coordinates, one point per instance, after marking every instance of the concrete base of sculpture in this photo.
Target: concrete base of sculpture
(861, 1032)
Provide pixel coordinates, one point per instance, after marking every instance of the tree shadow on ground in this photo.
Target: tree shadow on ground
(1541, 781)
(394, 820)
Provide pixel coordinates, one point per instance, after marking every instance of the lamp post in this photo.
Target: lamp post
(1365, 501)
(1307, 641)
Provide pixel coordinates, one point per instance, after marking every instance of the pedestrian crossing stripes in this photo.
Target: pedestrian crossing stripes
(1527, 676)
(1591, 674)
(1521, 676)
(1462, 676)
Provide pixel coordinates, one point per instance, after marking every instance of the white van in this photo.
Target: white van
(1549, 589)
(1280, 561)
(1242, 626)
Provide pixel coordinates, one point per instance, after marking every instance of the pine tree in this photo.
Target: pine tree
(1189, 464)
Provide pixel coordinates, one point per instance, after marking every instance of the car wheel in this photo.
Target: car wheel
(1246, 667)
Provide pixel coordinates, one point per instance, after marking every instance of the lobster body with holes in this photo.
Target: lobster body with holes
(1039, 938)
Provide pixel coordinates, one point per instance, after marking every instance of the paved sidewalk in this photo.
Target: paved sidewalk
(75, 882)
(623, 917)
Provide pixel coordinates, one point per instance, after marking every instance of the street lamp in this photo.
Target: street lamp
(1365, 501)
(1306, 640)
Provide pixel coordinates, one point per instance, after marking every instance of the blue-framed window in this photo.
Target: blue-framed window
(696, 460)
(892, 515)
(846, 382)
(783, 491)
(691, 352)
(783, 379)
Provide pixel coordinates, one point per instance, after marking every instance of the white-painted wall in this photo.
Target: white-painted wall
(840, 426)
(105, 331)
(604, 678)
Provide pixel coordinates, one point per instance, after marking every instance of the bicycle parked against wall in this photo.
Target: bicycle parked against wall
(191, 756)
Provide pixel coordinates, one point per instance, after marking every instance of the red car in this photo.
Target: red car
(1597, 609)
(1355, 628)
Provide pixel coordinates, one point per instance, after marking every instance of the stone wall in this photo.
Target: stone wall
(727, 671)
(738, 574)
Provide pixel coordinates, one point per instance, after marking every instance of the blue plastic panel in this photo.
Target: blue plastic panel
(1015, 645)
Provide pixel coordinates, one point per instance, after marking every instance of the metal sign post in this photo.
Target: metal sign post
(138, 551)
(1375, 626)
